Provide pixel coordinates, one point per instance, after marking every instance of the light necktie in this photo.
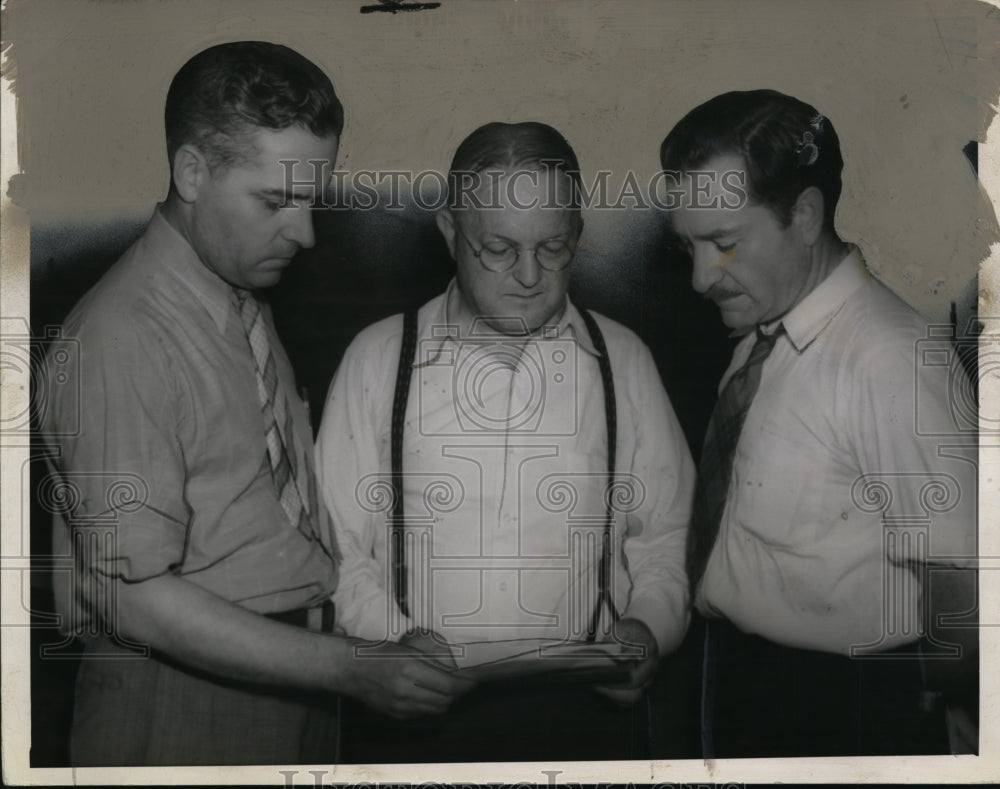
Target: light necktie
(716, 466)
(289, 467)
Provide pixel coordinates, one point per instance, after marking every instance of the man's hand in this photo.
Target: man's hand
(200, 629)
(431, 645)
(634, 633)
(392, 680)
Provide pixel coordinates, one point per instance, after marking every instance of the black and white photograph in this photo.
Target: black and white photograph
(551, 391)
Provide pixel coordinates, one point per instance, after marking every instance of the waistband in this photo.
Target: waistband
(723, 629)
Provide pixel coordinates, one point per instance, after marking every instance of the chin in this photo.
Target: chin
(504, 317)
(510, 325)
(535, 323)
(738, 320)
(267, 279)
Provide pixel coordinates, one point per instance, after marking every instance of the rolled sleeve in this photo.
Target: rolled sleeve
(120, 488)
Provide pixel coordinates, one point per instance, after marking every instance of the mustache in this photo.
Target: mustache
(715, 293)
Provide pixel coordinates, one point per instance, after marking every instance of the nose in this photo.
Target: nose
(526, 270)
(299, 226)
(707, 269)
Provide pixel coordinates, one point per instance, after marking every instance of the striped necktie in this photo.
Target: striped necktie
(289, 466)
(716, 467)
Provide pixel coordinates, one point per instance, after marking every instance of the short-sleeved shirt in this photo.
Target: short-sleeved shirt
(168, 471)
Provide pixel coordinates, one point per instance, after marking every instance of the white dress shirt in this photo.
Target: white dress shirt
(855, 472)
(505, 463)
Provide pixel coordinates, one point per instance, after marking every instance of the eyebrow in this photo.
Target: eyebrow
(514, 242)
(282, 194)
(714, 235)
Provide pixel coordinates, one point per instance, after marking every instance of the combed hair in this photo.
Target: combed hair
(787, 146)
(222, 94)
(510, 146)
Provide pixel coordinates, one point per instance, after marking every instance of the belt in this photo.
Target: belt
(316, 618)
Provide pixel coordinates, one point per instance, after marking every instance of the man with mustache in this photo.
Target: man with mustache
(823, 502)
(204, 561)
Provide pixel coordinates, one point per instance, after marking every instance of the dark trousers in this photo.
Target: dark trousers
(763, 699)
(502, 722)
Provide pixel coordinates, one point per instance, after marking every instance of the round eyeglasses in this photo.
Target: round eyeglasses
(550, 255)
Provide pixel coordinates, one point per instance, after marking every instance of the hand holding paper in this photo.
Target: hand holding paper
(430, 644)
(642, 669)
(401, 681)
(548, 659)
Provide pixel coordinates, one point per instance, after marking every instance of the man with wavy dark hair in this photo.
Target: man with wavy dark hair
(204, 559)
(813, 533)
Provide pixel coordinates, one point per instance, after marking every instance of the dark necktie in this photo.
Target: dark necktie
(716, 467)
(289, 466)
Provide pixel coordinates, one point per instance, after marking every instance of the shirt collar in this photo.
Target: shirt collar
(809, 317)
(181, 261)
(446, 328)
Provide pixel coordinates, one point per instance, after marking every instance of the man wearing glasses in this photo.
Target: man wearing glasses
(466, 460)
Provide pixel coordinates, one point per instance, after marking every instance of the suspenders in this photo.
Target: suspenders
(404, 371)
(611, 420)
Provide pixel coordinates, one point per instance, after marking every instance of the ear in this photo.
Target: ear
(189, 172)
(807, 215)
(446, 224)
